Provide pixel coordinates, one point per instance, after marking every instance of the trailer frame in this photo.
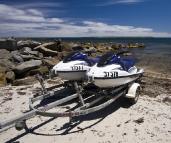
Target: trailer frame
(109, 93)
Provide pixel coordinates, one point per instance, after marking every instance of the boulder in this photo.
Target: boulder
(27, 66)
(25, 50)
(25, 81)
(10, 76)
(115, 46)
(13, 53)
(50, 63)
(127, 54)
(50, 45)
(61, 55)
(47, 52)
(79, 48)
(7, 64)
(64, 47)
(3, 81)
(40, 55)
(132, 45)
(2, 70)
(91, 49)
(8, 44)
(142, 45)
(28, 51)
(40, 70)
(103, 51)
(35, 53)
(27, 43)
(4, 54)
(29, 57)
(17, 58)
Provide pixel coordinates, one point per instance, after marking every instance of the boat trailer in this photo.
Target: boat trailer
(130, 90)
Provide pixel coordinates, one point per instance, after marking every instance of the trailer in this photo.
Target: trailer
(130, 90)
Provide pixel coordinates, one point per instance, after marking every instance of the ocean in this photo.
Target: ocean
(155, 58)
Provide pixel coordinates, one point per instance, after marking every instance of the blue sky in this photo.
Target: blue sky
(82, 18)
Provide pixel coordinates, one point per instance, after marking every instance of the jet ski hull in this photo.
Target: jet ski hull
(113, 81)
(112, 75)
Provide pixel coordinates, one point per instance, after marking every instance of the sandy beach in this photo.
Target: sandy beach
(149, 120)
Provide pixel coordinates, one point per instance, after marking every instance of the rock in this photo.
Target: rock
(142, 45)
(115, 46)
(25, 81)
(121, 46)
(17, 58)
(127, 54)
(13, 53)
(50, 63)
(7, 64)
(29, 57)
(24, 50)
(40, 55)
(10, 76)
(61, 55)
(28, 51)
(103, 51)
(2, 70)
(77, 47)
(40, 70)
(35, 53)
(91, 49)
(4, 54)
(47, 52)
(64, 47)
(50, 46)
(167, 99)
(139, 120)
(58, 42)
(8, 44)
(27, 43)
(27, 66)
(132, 45)
(3, 81)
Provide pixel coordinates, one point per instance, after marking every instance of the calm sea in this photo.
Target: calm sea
(153, 45)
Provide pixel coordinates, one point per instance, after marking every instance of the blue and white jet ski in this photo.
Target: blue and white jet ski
(112, 71)
(74, 66)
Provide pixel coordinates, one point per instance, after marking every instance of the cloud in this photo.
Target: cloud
(113, 2)
(33, 23)
(23, 5)
(27, 15)
(34, 12)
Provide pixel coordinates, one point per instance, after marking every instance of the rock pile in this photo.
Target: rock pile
(25, 58)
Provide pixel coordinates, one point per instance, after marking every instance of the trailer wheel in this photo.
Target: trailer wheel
(134, 100)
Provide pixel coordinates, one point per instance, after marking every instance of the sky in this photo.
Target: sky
(85, 18)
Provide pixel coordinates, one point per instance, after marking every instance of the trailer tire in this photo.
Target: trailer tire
(134, 100)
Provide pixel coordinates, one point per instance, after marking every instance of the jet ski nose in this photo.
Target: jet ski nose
(53, 71)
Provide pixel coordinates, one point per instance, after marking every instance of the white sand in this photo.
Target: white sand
(114, 124)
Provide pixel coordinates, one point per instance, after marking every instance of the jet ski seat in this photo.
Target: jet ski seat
(128, 63)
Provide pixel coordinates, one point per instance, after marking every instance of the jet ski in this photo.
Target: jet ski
(74, 66)
(112, 71)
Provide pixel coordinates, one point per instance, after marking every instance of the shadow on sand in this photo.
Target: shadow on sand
(121, 102)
